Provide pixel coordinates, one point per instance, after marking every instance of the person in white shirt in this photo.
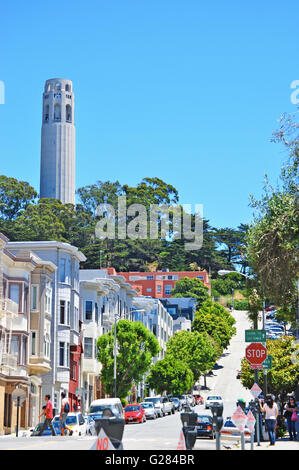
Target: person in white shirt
(271, 411)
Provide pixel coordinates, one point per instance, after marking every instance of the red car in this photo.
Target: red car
(134, 414)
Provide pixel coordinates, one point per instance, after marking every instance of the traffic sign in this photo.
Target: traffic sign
(255, 336)
(102, 442)
(256, 353)
(250, 421)
(239, 418)
(255, 390)
(256, 366)
(18, 396)
(267, 364)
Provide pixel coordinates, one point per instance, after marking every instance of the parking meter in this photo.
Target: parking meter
(189, 419)
(217, 412)
(113, 427)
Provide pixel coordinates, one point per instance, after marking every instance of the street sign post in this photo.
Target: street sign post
(256, 353)
(267, 364)
(255, 336)
(251, 425)
(239, 418)
(18, 397)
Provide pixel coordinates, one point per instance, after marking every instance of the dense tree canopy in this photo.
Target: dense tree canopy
(170, 375)
(136, 347)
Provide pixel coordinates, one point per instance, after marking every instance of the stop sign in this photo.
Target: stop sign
(256, 353)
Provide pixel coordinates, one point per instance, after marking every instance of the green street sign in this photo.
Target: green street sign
(267, 364)
(255, 336)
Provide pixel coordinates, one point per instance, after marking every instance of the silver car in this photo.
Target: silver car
(213, 399)
(150, 411)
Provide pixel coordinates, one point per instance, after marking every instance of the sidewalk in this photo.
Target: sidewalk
(280, 444)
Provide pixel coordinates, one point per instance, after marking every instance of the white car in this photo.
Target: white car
(149, 409)
(230, 431)
(75, 422)
(213, 399)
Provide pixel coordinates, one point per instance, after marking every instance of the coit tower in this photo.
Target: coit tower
(57, 172)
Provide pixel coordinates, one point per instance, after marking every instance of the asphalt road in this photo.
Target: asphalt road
(162, 433)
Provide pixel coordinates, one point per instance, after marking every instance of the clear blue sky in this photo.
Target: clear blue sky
(185, 90)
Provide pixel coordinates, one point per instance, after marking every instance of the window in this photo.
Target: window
(150, 277)
(168, 290)
(68, 313)
(88, 310)
(24, 351)
(33, 343)
(34, 294)
(61, 353)
(57, 112)
(76, 318)
(47, 347)
(159, 289)
(48, 300)
(62, 270)
(148, 290)
(14, 293)
(7, 410)
(14, 347)
(88, 348)
(67, 355)
(68, 113)
(96, 312)
(62, 312)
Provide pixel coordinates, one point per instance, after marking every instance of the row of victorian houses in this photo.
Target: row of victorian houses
(51, 314)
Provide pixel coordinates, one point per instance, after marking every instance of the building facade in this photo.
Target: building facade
(160, 283)
(64, 304)
(15, 280)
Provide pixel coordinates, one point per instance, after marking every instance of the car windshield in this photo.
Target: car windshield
(71, 420)
(147, 405)
(132, 408)
(203, 419)
(214, 398)
(154, 400)
(175, 399)
(99, 408)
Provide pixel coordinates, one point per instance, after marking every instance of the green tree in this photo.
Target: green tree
(283, 378)
(195, 288)
(14, 196)
(197, 350)
(216, 321)
(136, 347)
(171, 376)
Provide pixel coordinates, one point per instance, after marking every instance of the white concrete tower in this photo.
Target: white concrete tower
(57, 172)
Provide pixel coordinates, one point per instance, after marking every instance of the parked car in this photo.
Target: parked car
(157, 404)
(230, 431)
(177, 403)
(90, 426)
(191, 399)
(163, 404)
(213, 399)
(98, 406)
(75, 422)
(134, 413)
(204, 426)
(149, 409)
(47, 432)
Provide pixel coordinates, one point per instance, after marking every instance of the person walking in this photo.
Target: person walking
(290, 414)
(64, 410)
(271, 411)
(48, 413)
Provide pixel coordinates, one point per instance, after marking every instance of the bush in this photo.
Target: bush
(239, 304)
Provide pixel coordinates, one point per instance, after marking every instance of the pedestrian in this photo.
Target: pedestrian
(291, 416)
(64, 410)
(48, 413)
(271, 411)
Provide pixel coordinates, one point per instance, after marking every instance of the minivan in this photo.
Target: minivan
(97, 407)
